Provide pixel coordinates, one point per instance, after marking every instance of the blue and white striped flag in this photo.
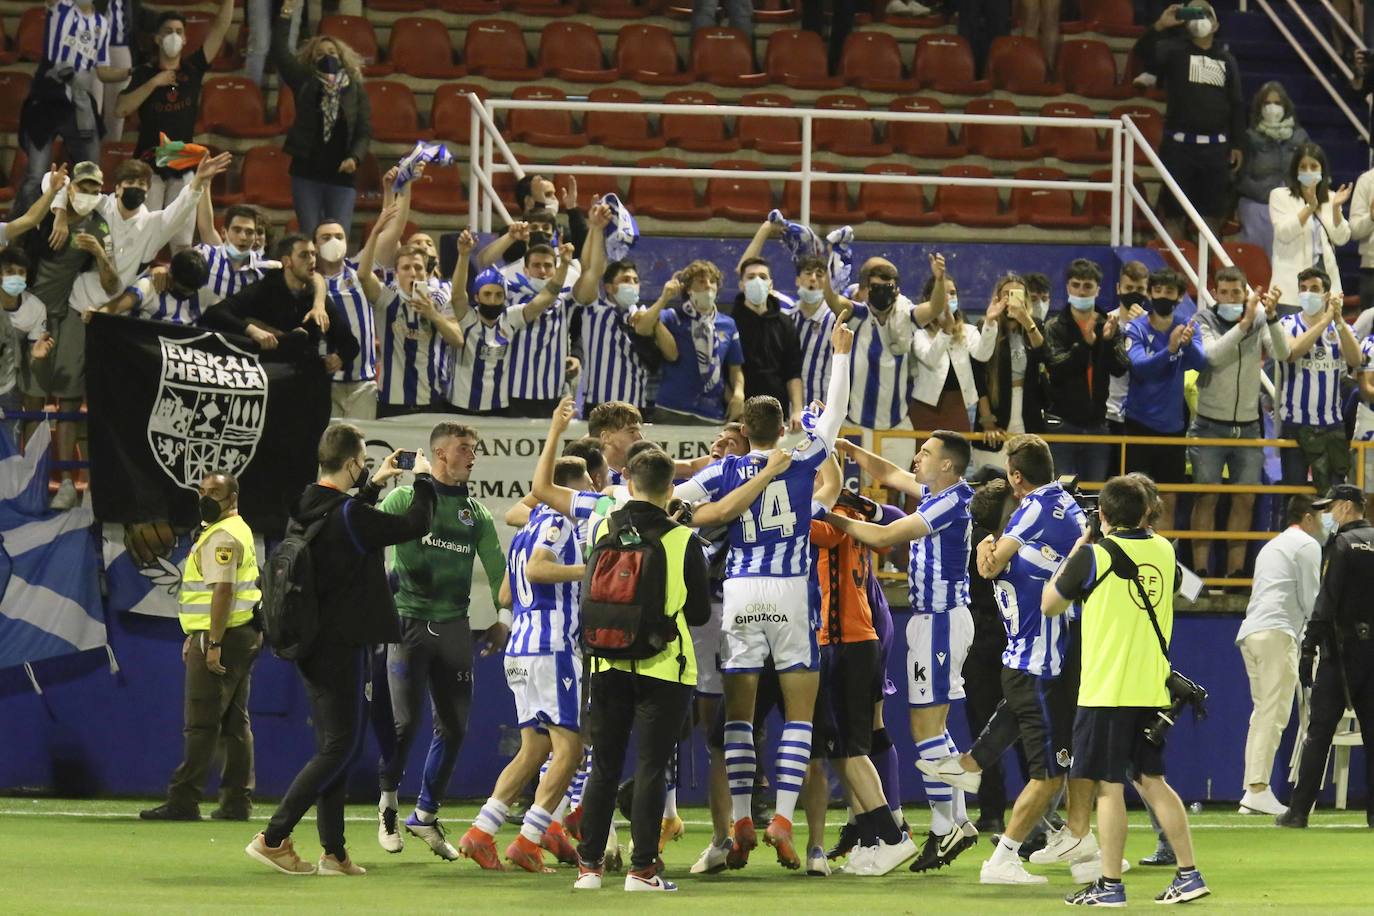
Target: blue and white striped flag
(436, 154)
(49, 566)
(622, 231)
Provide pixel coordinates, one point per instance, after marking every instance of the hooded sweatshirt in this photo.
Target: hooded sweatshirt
(1228, 389)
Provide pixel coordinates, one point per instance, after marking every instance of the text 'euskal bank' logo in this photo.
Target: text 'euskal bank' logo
(210, 410)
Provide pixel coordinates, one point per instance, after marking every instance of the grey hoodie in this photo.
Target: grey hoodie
(1228, 389)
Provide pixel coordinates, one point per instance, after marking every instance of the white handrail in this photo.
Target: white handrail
(1321, 39)
(1359, 126)
(1347, 27)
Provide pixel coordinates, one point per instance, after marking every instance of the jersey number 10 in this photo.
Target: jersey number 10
(775, 513)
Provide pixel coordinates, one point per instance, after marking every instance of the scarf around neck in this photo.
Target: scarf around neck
(1279, 130)
(332, 84)
(704, 342)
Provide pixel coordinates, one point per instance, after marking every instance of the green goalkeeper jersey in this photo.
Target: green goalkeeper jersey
(435, 572)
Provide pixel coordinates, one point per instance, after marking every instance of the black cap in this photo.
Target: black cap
(1346, 491)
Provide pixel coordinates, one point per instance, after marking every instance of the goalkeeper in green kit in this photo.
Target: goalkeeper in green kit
(435, 651)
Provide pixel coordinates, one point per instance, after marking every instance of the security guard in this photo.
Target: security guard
(1342, 627)
(219, 592)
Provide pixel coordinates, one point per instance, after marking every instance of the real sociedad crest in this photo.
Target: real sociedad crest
(210, 409)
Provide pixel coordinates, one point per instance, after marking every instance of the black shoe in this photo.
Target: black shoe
(929, 857)
(1033, 844)
(223, 814)
(1291, 818)
(990, 825)
(1163, 855)
(848, 839)
(166, 812)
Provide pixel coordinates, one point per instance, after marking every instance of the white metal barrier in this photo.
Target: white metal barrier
(1355, 121)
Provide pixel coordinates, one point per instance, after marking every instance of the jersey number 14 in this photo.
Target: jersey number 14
(775, 513)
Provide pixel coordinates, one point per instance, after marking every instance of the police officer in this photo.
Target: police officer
(1342, 627)
(219, 591)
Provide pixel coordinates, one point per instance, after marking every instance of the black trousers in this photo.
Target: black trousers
(334, 682)
(433, 659)
(982, 693)
(1328, 705)
(841, 24)
(980, 21)
(655, 710)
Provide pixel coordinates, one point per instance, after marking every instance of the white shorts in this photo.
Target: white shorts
(547, 689)
(936, 646)
(767, 616)
(707, 644)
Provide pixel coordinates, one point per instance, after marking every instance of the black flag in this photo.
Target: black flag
(169, 403)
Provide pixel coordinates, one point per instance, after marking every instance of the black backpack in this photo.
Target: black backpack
(290, 606)
(623, 591)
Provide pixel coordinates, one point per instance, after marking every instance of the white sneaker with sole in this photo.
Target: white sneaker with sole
(635, 883)
(1063, 846)
(949, 770)
(1261, 803)
(712, 859)
(434, 837)
(860, 860)
(588, 881)
(66, 496)
(817, 865)
(1088, 870)
(887, 856)
(388, 834)
(1008, 872)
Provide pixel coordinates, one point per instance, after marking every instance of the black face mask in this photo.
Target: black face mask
(210, 510)
(132, 198)
(363, 477)
(540, 238)
(1133, 299)
(431, 262)
(882, 297)
(328, 64)
(491, 312)
(1163, 307)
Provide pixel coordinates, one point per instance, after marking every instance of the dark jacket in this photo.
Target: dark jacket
(772, 351)
(1343, 604)
(356, 605)
(1067, 360)
(653, 522)
(355, 111)
(1033, 385)
(1266, 163)
(271, 302)
(1202, 99)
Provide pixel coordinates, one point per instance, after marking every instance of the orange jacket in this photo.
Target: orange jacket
(842, 569)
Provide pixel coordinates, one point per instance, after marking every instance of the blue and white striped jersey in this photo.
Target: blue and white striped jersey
(1047, 524)
(81, 40)
(813, 332)
(539, 351)
(881, 373)
(938, 572)
(228, 276)
(149, 303)
(546, 615)
(346, 294)
(611, 369)
(1309, 390)
(411, 352)
(118, 15)
(477, 372)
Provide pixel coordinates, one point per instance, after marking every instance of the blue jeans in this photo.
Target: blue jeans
(315, 201)
(1245, 464)
(78, 149)
(1091, 462)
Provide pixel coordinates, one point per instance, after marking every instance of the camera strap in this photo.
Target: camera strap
(1127, 568)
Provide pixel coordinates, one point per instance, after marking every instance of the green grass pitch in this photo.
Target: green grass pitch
(59, 856)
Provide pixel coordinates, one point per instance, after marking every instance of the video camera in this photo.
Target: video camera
(1086, 501)
(1184, 693)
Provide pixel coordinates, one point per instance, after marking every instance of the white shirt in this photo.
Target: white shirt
(1287, 578)
(936, 354)
(1361, 219)
(1296, 244)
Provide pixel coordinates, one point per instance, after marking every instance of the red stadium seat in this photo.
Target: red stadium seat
(1046, 208)
(450, 117)
(112, 155)
(1111, 17)
(901, 204)
(627, 129)
(997, 141)
(945, 63)
(920, 139)
(665, 197)
(797, 58)
(543, 8)
(1071, 144)
(495, 48)
(1149, 120)
(873, 61)
(971, 206)
(776, 11)
(647, 54)
(572, 51)
(14, 88)
(745, 200)
(768, 135)
(593, 186)
(266, 178)
(232, 106)
(1098, 204)
(28, 38)
(421, 47)
(6, 56)
(695, 133)
(1088, 68)
(400, 6)
(358, 34)
(725, 57)
(443, 189)
(395, 118)
(286, 106)
(845, 137)
(543, 128)
(1017, 64)
(829, 199)
(617, 9)
(1253, 260)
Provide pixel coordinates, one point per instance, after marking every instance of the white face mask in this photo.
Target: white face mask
(84, 203)
(1329, 526)
(1201, 28)
(538, 283)
(756, 290)
(1311, 303)
(1309, 179)
(551, 205)
(627, 295)
(172, 43)
(333, 250)
(1040, 308)
(810, 296)
(1272, 112)
(704, 299)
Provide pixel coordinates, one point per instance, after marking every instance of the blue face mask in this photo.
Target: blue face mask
(1311, 303)
(1230, 311)
(1083, 303)
(13, 285)
(235, 254)
(953, 303)
(1309, 179)
(1329, 525)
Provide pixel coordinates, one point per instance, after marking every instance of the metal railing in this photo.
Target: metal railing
(1355, 121)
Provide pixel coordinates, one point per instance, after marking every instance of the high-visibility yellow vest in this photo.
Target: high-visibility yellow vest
(195, 594)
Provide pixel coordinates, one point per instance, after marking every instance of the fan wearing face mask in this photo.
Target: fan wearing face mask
(703, 362)
(768, 338)
(23, 327)
(1204, 117)
(1132, 298)
(944, 389)
(165, 92)
(540, 201)
(1308, 222)
(1011, 393)
(1322, 348)
(1274, 135)
(182, 301)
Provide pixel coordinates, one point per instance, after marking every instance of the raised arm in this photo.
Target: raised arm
(837, 391)
(557, 498)
(552, 290)
(35, 214)
(938, 304)
(593, 255)
(647, 323)
(881, 537)
(496, 249)
(292, 71)
(829, 482)
(841, 306)
(367, 258)
(466, 242)
(883, 472)
(219, 28)
(754, 249)
(737, 501)
(390, 239)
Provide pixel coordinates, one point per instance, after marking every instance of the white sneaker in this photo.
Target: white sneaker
(635, 883)
(949, 770)
(860, 860)
(433, 835)
(1145, 80)
(712, 859)
(388, 836)
(1088, 870)
(1261, 803)
(888, 856)
(1008, 871)
(1063, 846)
(817, 865)
(588, 881)
(66, 496)
(615, 858)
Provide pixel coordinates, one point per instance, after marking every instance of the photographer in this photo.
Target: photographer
(1342, 626)
(1127, 620)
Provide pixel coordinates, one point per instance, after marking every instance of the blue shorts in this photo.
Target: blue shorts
(1243, 463)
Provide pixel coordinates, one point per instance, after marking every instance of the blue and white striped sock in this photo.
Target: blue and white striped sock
(794, 753)
(939, 794)
(537, 820)
(739, 767)
(670, 796)
(561, 810)
(960, 808)
(579, 780)
(492, 816)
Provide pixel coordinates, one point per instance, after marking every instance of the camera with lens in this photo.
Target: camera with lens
(1183, 694)
(1086, 501)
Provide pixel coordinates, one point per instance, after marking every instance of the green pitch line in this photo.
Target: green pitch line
(64, 856)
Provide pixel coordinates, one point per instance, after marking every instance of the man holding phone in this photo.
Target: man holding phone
(434, 654)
